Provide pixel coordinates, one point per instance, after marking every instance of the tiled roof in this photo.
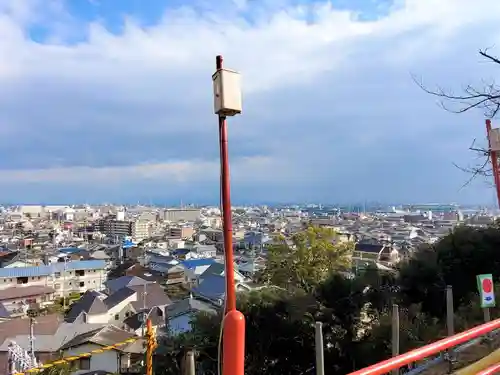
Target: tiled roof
(124, 281)
(90, 303)
(53, 268)
(26, 291)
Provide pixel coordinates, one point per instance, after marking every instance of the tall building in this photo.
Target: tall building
(181, 214)
(140, 229)
(114, 228)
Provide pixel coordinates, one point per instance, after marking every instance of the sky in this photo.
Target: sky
(111, 101)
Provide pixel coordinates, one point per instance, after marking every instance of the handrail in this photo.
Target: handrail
(490, 370)
(428, 350)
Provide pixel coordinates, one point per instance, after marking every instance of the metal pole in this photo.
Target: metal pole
(189, 364)
(450, 314)
(32, 341)
(395, 334)
(233, 362)
(11, 363)
(494, 162)
(450, 325)
(486, 314)
(226, 213)
(64, 286)
(320, 350)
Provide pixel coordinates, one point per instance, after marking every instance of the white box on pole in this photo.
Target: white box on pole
(227, 92)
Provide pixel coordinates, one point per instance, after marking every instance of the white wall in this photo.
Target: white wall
(97, 318)
(106, 361)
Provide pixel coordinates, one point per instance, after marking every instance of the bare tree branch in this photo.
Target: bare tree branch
(486, 98)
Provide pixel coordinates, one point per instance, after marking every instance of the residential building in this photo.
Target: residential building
(181, 313)
(63, 277)
(113, 361)
(125, 302)
(181, 214)
(115, 228)
(16, 300)
(140, 229)
(181, 232)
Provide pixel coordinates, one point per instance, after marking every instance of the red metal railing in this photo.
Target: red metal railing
(421, 353)
(495, 369)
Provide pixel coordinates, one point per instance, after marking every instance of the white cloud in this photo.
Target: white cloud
(322, 89)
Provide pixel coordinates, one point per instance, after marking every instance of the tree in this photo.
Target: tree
(355, 312)
(310, 259)
(455, 260)
(485, 97)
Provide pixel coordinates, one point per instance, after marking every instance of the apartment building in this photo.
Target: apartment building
(137, 229)
(64, 277)
(180, 232)
(114, 228)
(140, 229)
(182, 214)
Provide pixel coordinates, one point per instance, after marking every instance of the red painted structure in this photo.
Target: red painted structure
(233, 357)
(494, 162)
(495, 369)
(421, 353)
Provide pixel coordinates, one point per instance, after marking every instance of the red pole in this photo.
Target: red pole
(399, 361)
(494, 162)
(234, 321)
(495, 369)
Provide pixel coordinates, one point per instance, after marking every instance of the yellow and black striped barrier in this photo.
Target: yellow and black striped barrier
(70, 359)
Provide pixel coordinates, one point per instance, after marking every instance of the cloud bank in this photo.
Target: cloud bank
(94, 106)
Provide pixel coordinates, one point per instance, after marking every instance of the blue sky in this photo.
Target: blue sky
(106, 100)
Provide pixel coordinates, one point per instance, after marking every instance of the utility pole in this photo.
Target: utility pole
(493, 136)
(320, 350)
(189, 367)
(450, 325)
(227, 102)
(395, 334)
(32, 313)
(64, 285)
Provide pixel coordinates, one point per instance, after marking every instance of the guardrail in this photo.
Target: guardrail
(495, 369)
(426, 351)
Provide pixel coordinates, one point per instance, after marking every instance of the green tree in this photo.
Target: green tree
(454, 260)
(307, 260)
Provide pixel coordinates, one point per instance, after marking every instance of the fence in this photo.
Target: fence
(453, 344)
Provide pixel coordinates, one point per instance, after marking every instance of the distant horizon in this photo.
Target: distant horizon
(355, 205)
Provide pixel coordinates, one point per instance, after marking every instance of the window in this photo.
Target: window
(82, 284)
(80, 273)
(117, 317)
(84, 364)
(58, 274)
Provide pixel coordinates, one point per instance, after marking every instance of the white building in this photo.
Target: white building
(65, 277)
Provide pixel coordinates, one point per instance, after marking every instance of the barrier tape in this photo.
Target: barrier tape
(76, 357)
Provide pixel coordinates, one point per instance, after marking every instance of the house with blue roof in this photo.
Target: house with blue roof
(213, 289)
(195, 267)
(66, 277)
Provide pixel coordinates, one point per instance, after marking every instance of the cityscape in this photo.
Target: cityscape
(293, 187)
(103, 266)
